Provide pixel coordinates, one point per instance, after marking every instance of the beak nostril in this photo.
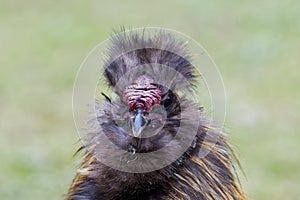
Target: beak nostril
(131, 149)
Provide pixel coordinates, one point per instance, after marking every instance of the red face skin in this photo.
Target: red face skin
(142, 94)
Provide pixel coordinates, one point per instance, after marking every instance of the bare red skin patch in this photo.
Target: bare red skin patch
(142, 93)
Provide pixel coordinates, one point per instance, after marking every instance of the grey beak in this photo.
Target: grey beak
(138, 123)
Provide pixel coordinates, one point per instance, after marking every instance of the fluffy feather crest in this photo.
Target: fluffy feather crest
(159, 55)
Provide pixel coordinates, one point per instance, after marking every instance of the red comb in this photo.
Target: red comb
(142, 93)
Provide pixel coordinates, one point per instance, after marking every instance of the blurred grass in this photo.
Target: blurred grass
(255, 44)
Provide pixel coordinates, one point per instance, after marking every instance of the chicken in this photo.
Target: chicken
(152, 141)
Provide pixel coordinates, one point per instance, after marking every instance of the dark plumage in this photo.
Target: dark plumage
(191, 177)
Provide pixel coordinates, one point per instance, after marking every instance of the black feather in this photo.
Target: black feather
(190, 177)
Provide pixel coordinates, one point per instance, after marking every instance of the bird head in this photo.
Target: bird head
(148, 77)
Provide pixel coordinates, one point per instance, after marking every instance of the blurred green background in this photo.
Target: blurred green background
(42, 44)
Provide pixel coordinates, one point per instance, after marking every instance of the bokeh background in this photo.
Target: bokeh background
(42, 44)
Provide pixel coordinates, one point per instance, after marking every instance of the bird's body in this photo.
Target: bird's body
(146, 105)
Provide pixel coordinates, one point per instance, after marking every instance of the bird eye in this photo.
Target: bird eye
(170, 102)
(167, 102)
